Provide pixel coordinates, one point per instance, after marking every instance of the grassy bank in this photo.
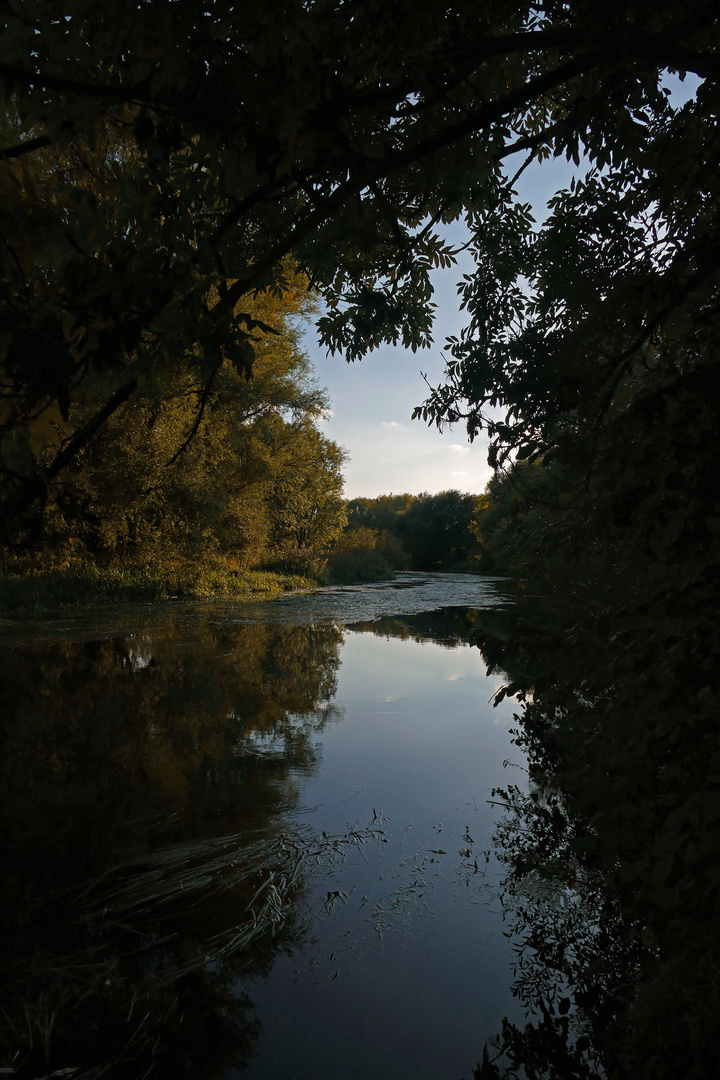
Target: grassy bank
(29, 587)
(26, 592)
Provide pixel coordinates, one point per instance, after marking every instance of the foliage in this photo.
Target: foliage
(435, 530)
(156, 171)
(381, 514)
(502, 517)
(355, 565)
(424, 532)
(369, 545)
(307, 509)
(614, 294)
(606, 508)
(31, 592)
(251, 476)
(616, 635)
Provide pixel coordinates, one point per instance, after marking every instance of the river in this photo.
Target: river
(256, 840)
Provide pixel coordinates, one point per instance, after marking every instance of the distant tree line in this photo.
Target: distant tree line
(418, 532)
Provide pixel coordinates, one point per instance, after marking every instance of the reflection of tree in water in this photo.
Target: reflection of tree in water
(144, 782)
(610, 884)
(575, 954)
(448, 626)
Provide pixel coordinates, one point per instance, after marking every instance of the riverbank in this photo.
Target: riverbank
(37, 591)
(29, 589)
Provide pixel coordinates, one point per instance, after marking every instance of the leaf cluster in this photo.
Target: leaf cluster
(158, 164)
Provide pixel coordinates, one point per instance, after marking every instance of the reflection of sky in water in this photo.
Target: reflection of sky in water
(405, 971)
(409, 973)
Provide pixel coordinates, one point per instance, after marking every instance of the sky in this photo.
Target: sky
(372, 400)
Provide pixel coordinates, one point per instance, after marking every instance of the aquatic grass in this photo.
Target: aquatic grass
(27, 591)
(143, 898)
(34, 1024)
(135, 915)
(223, 863)
(268, 873)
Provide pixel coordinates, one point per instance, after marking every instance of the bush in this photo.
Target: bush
(352, 567)
(304, 561)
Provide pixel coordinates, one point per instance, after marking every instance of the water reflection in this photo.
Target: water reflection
(411, 964)
(447, 626)
(610, 854)
(185, 817)
(152, 769)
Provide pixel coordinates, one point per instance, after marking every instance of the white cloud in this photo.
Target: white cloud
(460, 473)
(392, 424)
(458, 448)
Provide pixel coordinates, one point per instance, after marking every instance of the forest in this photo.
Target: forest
(182, 182)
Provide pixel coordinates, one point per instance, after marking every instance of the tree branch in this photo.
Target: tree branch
(81, 437)
(196, 422)
(26, 147)
(13, 74)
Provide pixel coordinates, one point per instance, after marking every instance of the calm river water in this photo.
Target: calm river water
(254, 840)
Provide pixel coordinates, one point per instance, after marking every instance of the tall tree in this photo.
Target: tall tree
(247, 474)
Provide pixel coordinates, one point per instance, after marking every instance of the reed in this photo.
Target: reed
(266, 874)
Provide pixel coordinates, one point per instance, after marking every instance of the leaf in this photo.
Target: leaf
(41, 434)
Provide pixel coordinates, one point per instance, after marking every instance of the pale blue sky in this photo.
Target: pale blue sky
(372, 400)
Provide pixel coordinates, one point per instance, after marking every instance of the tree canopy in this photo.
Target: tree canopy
(159, 161)
(421, 532)
(244, 478)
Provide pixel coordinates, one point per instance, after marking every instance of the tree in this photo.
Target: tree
(159, 162)
(521, 508)
(307, 508)
(427, 532)
(435, 530)
(614, 297)
(376, 525)
(249, 475)
(615, 529)
(382, 513)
